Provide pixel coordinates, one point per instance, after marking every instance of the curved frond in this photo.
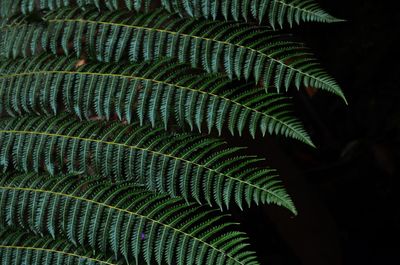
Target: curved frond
(17, 247)
(187, 165)
(274, 12)
(122, 219)
(236, 49)
(163, 91)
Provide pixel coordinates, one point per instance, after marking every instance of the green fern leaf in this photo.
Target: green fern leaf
(264, 11)
(150, 90)
(18, 247)
(11, 8)
(154, 157)
(274, 12)
(233, 48)
(91, 210)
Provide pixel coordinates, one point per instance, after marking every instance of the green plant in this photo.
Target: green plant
(236, 49)
(119, 179)
(120, 218)
(155, 92)
(179, 164)
(21, 247)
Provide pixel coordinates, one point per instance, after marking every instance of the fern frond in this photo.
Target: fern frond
(237, 49)
(18, 247)
(187, 165)
(274, 12)
(163, 91)
(10, 8)
(122, 219)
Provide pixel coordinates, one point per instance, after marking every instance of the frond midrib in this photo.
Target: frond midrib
(79, 20)
(55, 251)
(122, 210)
(282, 200)
(285, 124)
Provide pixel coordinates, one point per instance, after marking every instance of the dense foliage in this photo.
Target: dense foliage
(97, 102)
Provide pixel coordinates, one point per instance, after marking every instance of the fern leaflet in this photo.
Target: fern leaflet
(17, 247)
(187, 165)
(159, 92)
(122, 219)
(274, 12)
(237, 49)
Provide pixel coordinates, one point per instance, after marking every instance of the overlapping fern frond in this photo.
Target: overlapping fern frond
(18, 247)
(11, 8)
(123, 219)
(187, 165)
(96, 97)
(274, 12)
(239, 50)
(164, 91)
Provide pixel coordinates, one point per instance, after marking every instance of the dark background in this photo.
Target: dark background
(346, 189)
